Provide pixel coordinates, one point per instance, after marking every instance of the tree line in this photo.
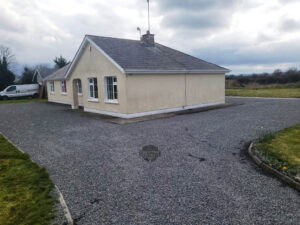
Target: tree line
(8, 64)
(277, 77)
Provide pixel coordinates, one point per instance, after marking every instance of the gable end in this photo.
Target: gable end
(80, 50)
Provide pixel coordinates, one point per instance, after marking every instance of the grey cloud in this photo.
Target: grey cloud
(239, 53)
(288, 1)
(195, 5)
(289, 25)
(9, 23)
(198, 27)
(263, 37)
(194, 20)
(194, 15)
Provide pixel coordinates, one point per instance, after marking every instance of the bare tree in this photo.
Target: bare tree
(5, 53)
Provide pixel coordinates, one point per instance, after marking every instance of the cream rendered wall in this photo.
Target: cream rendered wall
(203, 89)
(93, 64)
(57, 96)
(162, 91)
(154, 91)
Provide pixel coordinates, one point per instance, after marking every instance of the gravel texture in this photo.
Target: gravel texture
(201, 176)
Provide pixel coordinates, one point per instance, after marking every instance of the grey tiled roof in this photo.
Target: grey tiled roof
(134, 55)
(59, 74)
(45, 72)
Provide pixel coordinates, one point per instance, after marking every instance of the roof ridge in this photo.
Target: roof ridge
(126, 39)
(57, 72)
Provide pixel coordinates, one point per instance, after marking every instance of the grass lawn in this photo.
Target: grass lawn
(24, 189)
(267, 92)
(282, 149)
(22, 100)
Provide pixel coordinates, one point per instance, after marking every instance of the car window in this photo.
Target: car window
(12, 88)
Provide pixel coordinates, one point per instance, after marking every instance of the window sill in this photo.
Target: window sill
(79, 94)
(111, 101)
(52, 93)
(93, 100)
(63, 93)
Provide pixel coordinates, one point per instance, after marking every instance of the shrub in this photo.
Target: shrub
(277, 77)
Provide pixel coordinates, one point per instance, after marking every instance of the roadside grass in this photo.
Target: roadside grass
(11, 101)
(267, 92)
(282, 149)
(232, 84)
(24, 189)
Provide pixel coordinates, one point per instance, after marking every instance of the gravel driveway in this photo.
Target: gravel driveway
(202, 175)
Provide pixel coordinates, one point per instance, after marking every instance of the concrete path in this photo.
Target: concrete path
(202, 175)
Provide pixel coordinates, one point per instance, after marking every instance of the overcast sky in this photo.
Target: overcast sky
(243, 35)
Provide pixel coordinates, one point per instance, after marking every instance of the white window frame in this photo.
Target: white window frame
(79, 87)
(91, 96)
(52, 87)
(63, 87)
(110, 97)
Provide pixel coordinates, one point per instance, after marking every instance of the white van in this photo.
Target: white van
(17, 91)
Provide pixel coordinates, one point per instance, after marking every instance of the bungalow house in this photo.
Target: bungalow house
(132, 78)
(41, 73)
(39, 76)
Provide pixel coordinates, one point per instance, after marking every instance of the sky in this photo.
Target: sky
(245, 36)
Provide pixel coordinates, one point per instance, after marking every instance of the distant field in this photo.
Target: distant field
(267, 92)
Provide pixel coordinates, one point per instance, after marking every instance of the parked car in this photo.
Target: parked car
(18, 91)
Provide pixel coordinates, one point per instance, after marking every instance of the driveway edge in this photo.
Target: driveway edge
(65, 207)
(61, 198)
(267, 98)
(286, 179)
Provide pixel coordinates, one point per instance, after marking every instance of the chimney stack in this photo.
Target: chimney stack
(148, 39)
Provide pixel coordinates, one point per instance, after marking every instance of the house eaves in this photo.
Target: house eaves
(128, 71)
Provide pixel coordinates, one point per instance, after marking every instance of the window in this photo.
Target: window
(93, 88)
(52, 86)
(63, 87)
(10, 89)
(111, 89)
(79, 87)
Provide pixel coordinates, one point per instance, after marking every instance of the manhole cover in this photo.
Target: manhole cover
(149, 153)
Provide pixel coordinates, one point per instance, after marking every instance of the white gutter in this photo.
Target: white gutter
(54, 79)
(176, 71)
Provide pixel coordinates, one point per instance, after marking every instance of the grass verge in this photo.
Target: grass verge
(282, 149)
(267, 92)
(24, 189)
(11, 101)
